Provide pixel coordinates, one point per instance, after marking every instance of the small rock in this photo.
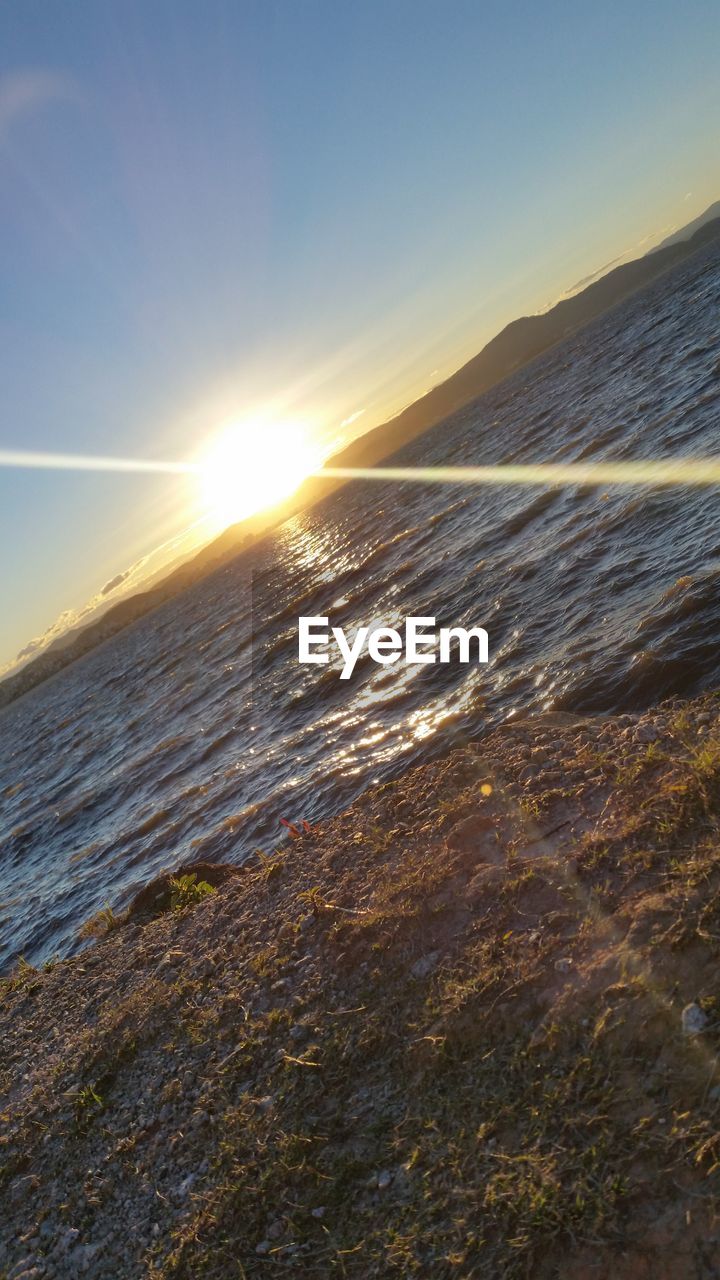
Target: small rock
(694, 1020)
(182, 1190)
(564, 965)
(423, 967)
(263, 1247)
(383, 1180)
(319, 1212)
(646, 733)
(276, 1230)
(468, 832)
(69, 1238)
(82, 1257)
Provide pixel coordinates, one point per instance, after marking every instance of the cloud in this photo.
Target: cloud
(601, 271)
(346, 422)
(29, 648)
(33, 648)
(114, 582)
(26, 91)
(130, 579)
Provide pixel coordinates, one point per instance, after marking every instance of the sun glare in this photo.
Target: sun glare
(254, 464)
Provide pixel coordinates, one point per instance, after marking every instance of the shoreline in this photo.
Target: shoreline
(466, 1028)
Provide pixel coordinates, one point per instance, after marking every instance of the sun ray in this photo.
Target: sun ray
(83, 462)
(661, 472)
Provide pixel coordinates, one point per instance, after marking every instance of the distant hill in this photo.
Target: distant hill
(712, 212)
(513, 347)
(517, 344)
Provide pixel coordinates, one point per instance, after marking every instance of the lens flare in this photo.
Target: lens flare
(655, 473)
(86, 462)
(255, 464)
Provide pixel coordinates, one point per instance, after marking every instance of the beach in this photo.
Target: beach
(194, 730)
(466, 1027)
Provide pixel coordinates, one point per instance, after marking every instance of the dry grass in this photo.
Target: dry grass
(522, 1102)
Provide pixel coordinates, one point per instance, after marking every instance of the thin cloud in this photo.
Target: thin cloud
(608, 266)
(22, 92)
(346, 422)
(114, 583)
(129, 579)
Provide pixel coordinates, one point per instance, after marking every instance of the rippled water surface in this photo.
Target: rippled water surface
(181, 738)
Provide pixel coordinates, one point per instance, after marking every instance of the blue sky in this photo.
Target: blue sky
(322, 206)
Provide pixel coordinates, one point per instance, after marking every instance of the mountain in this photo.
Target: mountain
(514, 346)
(712, 212)
(517, 344)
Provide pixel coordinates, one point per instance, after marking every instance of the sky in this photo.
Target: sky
(308, 210)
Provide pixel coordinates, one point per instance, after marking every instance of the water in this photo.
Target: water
(151, 750)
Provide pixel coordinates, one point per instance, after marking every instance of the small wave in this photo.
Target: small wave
(528, 515)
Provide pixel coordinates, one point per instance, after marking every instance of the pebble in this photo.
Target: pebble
(25, 1267)
(646, 733)
(182, 1190)
(69, 1238)
(693, 1019)
(82, 1257)
(383, 1180)
(564, 965)
(426, 965)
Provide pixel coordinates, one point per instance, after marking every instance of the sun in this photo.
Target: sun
(254, 464)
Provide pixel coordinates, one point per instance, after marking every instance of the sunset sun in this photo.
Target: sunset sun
(254, 464)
